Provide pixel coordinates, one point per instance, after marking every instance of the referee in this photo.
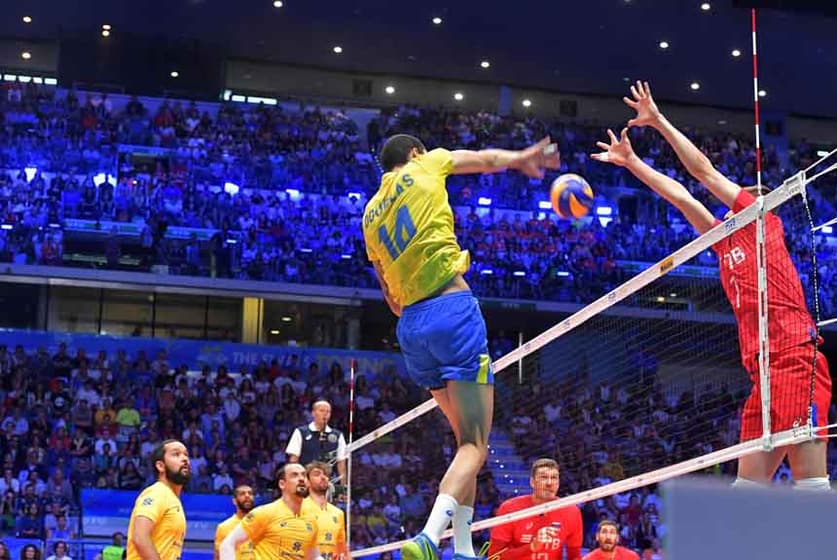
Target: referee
(318, 441)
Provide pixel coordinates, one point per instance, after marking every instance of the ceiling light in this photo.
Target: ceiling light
(437, 20)
(174, 74)
(485, 64)
(106, 27)
(26, 55)
(664, 45)
(390, 90)
(286, 319)
(274, 331)
(458, 96)
(762, 93)
(105, 33)
(527, 103)
(277, 4)
(736, 53)
(706, 6)
(695, 86)
(337, 49)
(27, 19)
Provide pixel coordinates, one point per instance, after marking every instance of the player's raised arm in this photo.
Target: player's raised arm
(531, 162)
(620, 152)
(695, 162)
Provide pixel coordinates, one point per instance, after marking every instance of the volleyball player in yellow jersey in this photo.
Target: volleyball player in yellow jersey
(157, 527)
(243, 502)
(285, 529)
(331, 521)
(409, 235)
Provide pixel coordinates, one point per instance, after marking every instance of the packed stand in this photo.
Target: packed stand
(290, 216)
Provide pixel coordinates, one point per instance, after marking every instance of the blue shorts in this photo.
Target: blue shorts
(444, 339)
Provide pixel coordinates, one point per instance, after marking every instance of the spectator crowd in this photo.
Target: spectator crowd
(276, 192)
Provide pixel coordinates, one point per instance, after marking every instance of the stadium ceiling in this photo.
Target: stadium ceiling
(592, 46)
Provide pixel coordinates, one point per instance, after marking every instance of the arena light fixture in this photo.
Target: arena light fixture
(174, 74)
(287, 318)
(274, 331)
(664, 45)
(337, 49)
(458, 96)
(389, 90)
(27, 19)
(706, 6)
(105, 33)
(762, 93)
(437, 20)
(526, 103)
(485, 65)
(736, 53)
(694, 86)
(26, 55)
(278, 4)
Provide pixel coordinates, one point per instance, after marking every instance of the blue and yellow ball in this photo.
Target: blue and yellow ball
(571, 196)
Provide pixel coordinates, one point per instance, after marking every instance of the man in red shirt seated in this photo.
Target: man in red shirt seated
(543, 536)
(607, 538)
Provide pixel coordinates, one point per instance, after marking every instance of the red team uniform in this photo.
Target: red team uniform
(794, 358)
(619, 553)
(504, 538)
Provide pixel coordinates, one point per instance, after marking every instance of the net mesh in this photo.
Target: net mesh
(644, 384)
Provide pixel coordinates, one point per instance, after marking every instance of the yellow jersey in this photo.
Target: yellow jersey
(331, 530)
(162, 506)
(277, 533)
(408, 229)
(244, 550)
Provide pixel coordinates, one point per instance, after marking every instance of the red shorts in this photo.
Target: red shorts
(791, 393)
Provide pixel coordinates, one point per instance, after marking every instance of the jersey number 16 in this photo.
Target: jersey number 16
(404, 232)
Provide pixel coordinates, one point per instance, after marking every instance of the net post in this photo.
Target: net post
(520, 361)
(352, 369)
(763, 334)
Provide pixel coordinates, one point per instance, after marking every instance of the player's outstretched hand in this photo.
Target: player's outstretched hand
(539, 157)
(618, 152)
(647, 113)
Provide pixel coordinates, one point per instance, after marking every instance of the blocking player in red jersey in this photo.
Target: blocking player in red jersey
(544, 536)
(607, 537)
(794, 357)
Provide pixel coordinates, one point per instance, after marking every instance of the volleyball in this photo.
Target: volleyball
(571, 196)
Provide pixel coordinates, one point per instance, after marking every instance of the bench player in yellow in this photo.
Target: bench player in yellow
(285, 529)
(243, 502)
(157, 527)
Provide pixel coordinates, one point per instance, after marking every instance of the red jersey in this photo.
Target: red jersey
(620, 553)
(789, 322)
(518, 534)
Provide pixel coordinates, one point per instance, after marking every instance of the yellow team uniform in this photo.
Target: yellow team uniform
(331, 529)
(162, 506)
(277, 533)
(244, 550)
(408, 229)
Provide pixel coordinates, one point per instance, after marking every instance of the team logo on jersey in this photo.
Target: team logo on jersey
(332, 438)
(250, 516)
(297, 546)
(334, 519)
(328, 536)
(529, 525)
(309, 527)
(148, 501)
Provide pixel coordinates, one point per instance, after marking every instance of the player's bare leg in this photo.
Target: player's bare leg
(808, 465)
(469, 408)
(759, 468)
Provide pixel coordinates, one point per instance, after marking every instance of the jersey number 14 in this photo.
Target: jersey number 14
(404, 232)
